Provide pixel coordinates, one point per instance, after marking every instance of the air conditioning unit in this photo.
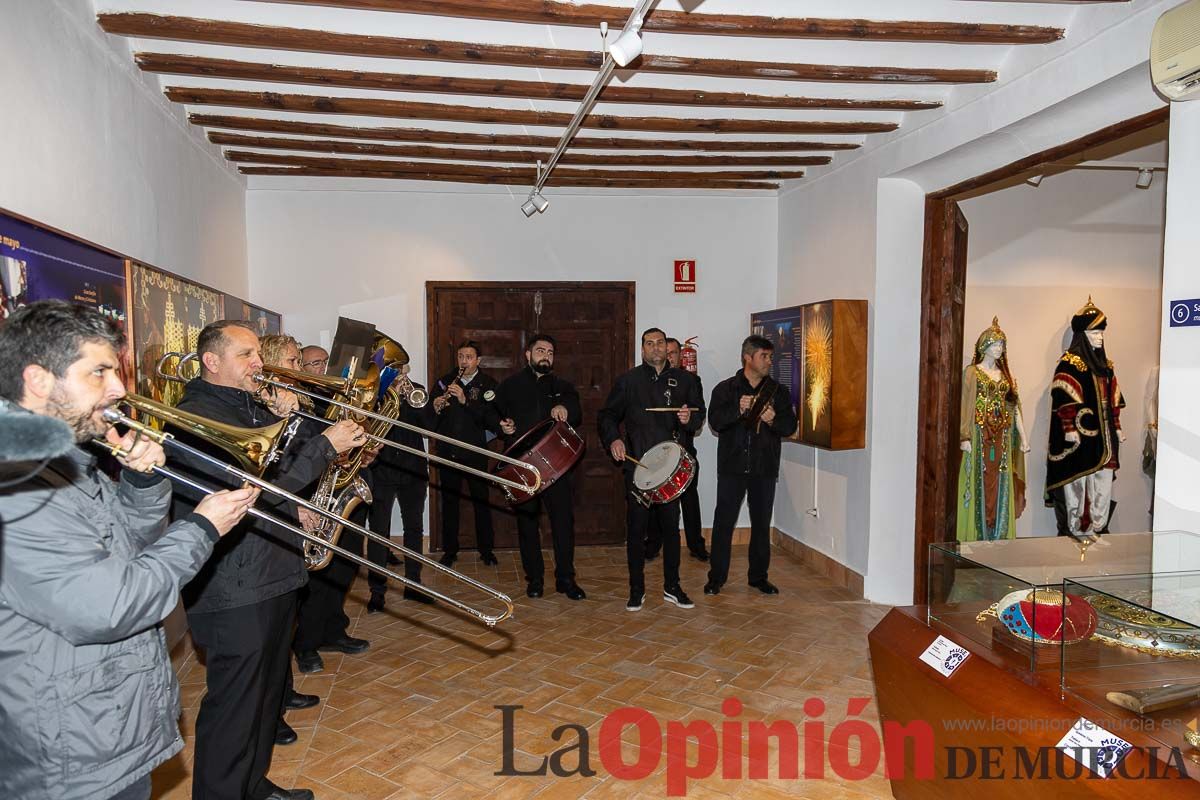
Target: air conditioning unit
(1175, 52)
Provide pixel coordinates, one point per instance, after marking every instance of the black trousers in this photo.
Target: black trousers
(246, 653)
(637, 521)
(411, 492)
(450, 485)
(689, 509)
(322, 617)
(759, 491)
(557, 501)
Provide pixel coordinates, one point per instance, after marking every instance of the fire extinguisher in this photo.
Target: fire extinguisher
(688, 357)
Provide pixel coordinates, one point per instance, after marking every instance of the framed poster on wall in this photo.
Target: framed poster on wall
(167, 314)
(264, 320)
(781, 326)
(37, 263)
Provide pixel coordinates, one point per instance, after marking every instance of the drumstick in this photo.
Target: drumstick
(635, 461)
(673, 410)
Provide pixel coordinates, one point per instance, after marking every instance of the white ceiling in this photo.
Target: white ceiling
(867, 53)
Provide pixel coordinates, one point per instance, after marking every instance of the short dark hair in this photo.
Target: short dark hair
(471, 343)
(674, 341)
(50, 333)
(753, 343)
(649, 331)
(212, 337)
(541, 337)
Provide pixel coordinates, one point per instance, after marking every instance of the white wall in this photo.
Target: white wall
(1177, 501)
(353, 251)
(857, 228)
(1034, 256)
(89, 145)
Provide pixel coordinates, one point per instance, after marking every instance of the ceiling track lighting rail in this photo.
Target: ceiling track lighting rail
(621, 53)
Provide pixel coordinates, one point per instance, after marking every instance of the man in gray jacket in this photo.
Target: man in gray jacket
(88, 570)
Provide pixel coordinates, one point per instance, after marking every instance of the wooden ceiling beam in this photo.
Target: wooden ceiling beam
(300, 128)
(528, 173)
(555, 180)
(506, 156)
(400, 109)
(542, 12)
(242, 34)
(172, 64)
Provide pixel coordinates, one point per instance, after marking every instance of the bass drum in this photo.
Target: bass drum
(666, 471)
(552, 447)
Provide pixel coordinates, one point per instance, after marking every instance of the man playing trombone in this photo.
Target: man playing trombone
(242, 605)
(89, 571)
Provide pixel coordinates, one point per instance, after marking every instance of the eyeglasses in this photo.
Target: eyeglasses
(323, 362)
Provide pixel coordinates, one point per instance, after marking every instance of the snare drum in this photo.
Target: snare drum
(666, 471)
(556, 447)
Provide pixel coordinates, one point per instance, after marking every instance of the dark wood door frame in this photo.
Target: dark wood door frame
(942, 285)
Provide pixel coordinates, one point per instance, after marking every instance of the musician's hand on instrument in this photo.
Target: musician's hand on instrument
(456, 391)
(617, 449)
(283, 403)
(345, 435)
(142, 454)
(370, 454)
(440, 403)
(768, 415)
(309, 520)
(684, 414)
(559, 413)
(508, 427)
(745, 403)
(226, 509)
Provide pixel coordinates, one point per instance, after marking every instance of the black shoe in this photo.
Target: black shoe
(291, 794)
(418, 597)
(346, 644)
(699, 555)
(534, 589)
(675, 594)
(712, 588)
(376, 603)
(448, 559)
(570, 589)
(309, 661)
(488, 558)
(765, 586)
(296, 701)
(637, 597)
(284, 734)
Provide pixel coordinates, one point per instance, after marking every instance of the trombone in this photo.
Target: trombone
(244, 443)
(348, 387)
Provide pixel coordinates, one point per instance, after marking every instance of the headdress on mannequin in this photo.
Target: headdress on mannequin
(1089, 318)
(988, 338)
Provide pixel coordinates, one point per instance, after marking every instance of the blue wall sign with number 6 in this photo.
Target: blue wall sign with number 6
(1185, 313)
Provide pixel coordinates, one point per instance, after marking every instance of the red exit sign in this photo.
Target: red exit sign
(685, 277)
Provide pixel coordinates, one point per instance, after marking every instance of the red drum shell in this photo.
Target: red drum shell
(675, 484)
(557, 447)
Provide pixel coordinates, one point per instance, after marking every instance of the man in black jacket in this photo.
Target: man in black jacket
(466, 411)
(689, 503)
(242, 604)
(525, 399)
(750, 413)
(399, 476)
(653, 384)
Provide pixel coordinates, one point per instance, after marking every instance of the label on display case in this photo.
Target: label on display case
(1094, 747)
(945, 656)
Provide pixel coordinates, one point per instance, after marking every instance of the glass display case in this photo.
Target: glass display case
(1008, 594)
(1141, 667)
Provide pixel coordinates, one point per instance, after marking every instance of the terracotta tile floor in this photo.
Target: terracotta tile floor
(415, 716)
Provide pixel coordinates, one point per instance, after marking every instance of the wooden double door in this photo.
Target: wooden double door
(592, 323)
